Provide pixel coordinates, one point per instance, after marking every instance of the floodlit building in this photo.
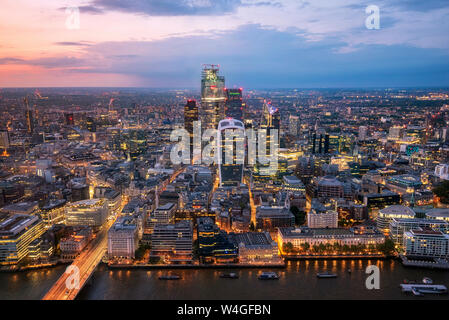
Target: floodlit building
(232, 152)
(92, 213)
(386, 215)
(17, 231)
(300, 236)
(270, 218)
(213, 97)
(256, 247)
(426, 243)
(173, 242)
(72, 245)
(123, 238)
(399, 226)
(327, 219)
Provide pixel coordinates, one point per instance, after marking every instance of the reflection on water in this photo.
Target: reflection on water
(297, 281)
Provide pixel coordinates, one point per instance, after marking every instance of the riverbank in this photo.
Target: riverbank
(196, 266)
(337, 257)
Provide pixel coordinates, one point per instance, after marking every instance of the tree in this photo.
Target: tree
(300, 216)
(442, 191)
(305, 246)
(287, 247)
(387, 247)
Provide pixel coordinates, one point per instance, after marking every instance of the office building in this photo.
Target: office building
(92, 213)
(4, 139)
(232, 151)
(17, 231)
(386, 216)
(300, 236)
(256, 247)
(190, 116)
(173, 242)
(123, 238)
(426, 243)
(72, 245)
(234, 104)
(399, 226)
(327, 219)
(213, 97)
(270, 218)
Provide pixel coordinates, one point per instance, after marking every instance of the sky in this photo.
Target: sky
(257, 43)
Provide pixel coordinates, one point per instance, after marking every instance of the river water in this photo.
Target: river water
(297, 281)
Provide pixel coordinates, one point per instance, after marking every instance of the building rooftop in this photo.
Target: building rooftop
(398, 210)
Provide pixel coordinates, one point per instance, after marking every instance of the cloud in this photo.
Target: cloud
(270, 59)
(170, 8)
(10, 60)
(90, 9)
(73, 43)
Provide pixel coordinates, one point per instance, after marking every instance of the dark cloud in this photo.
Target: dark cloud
(73, 43)
(86, 9)
(257, 57)
(420, 5)
(170, 7)
(9, 60)
(270, 59)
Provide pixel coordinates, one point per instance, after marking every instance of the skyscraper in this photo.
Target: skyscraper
(234, 104)
(29, 116)
(293, 125)
(231, 174)
(190, 115)
(271, 119)
(30, 121)
(212, 97)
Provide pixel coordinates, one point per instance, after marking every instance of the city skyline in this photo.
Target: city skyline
(282, 44)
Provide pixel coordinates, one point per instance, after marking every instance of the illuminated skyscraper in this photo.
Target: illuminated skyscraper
(69, 119)
(190, 115)
(231, 174)
(271, 119)
(234, 104)
(212, 97)
(29, 116)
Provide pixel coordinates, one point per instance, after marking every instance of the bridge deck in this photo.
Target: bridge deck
(87, 261)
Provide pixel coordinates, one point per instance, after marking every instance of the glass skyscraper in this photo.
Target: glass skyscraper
(231, 174)
(190, 115)
(234, 104)
(213, 97)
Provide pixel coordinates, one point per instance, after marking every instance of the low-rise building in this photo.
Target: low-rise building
(386, 215)
(300, 236)
(72, 245)
(92, 213)
(269, 218)
(173, 242)
(17, 232)
(425, 242)
(327, 219)
(123, 238)
(256, 247)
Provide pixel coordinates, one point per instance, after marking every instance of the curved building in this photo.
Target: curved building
(438, 213)
(386, 215)
(231, 172)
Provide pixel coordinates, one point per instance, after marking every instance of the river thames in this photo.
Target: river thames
(297, 281)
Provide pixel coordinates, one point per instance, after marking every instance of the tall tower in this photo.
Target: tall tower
(212, 97)
(231, 174)
(190, 115)
(234, 104)
(29, 116)
(271, 119)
